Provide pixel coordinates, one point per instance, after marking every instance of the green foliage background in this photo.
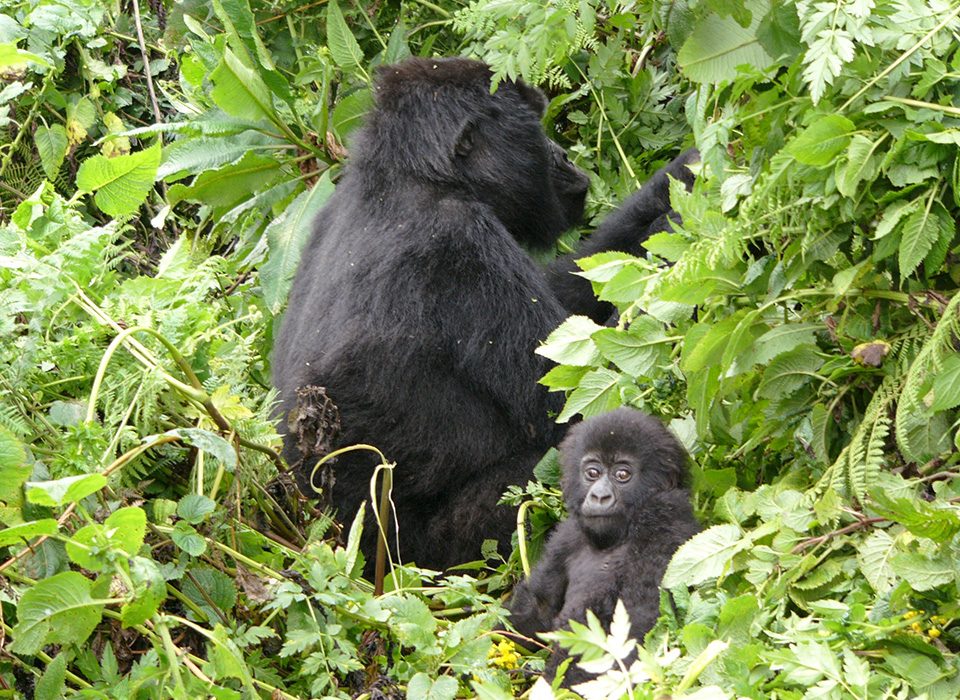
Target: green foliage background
(159, 165)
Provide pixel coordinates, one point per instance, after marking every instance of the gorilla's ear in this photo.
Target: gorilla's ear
(464, 144)
(533, 97)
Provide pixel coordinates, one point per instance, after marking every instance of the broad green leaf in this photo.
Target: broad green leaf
(51, 143)
(873, 555)
(822, 141)
(227, 660)
(859, 165)
(188, 539)
(603, 267)
(598, 393)
(240, 91)
(783, 339)
(51, 683)
(227, 187)
(421, 687)
(636, 350)
(564, 377)
(397, 48)
(194, 508)
(208, 587)
(892, 216)
(718, 45)
(626, 286)
(10, 55)
(13, 468)
(211, 443)
(704, 344)
(945, 392)
(344, 49)
(923, 573)
(704, 556)
(24, 532)
(350, 111)
(56, 610)
(572, 343)
(413, 623)
(122, 183)
(66, 490)
(921, 230)
(286, 236)
(65, 413)
(126, 528)
(191, 156)
(790, 371)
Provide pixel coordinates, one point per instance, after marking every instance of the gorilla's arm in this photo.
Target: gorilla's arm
(646, 212)
(537, 600)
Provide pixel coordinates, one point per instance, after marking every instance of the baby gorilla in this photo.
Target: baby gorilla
(623, 483)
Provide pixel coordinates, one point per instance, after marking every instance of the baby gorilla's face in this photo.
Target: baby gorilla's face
(609, 485)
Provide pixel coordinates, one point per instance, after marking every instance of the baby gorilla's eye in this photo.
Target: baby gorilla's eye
(592, 473)
(622, 474)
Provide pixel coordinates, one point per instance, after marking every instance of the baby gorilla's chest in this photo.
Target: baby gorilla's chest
(593, 583)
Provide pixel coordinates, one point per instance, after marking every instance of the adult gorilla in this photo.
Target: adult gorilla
(419, 311)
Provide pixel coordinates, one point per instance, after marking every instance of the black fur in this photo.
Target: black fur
(418, 310)
(618, 538)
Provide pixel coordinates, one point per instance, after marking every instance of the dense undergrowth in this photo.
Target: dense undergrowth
(158, 167)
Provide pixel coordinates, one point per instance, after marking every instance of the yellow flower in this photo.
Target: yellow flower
(934, 632)
(504, 654)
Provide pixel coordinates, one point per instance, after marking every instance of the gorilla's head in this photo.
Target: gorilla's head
(436, 121)
(612, 464)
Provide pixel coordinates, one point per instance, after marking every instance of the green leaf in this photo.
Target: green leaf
(126, 528)
(946, 385)
(240, 91)
(343, 46)
(122, 183)
(921, 231)
(564, 377)
(208, 587)
(56, 610)
(226, 187)
(704, 556)
(188, 539)
(51, 143)
(860, 164)
(211, 443)
(66, 413)
(718, 45)
(150, 590)
(598, 393)
(190, 156)
(626, 286)
(874, 555)
(637, 350)
(194, 508)
(421, 687)
(287, 235)
(789, 371)
(923, 573)
(62, 491)
(13, 468)
(413, 624)
(572, 343)
(51, 683)
(24, 532)
(10, 55)
(822, 141)
(397, 48)
(350, 111)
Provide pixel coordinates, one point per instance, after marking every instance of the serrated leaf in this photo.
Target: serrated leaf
(286, 236)
(413, 623)
(122, 183)
(789, 371)
(822, 141)
(240, 91)
(921, 231)
(873, 555)
(704, 556)
(10, 55)
(860, 164)
(56, 610)
(922, 573)
(51, 143)
(191, 156)
(188, 539)
(564, 377)
(636, 350)
(150, 590)
(421, 687)
(572, 343)
(349, 113)
(217, 588)
(718, 45)
(51, 683)
(344, 49)
(194, 508)
(598, 393)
